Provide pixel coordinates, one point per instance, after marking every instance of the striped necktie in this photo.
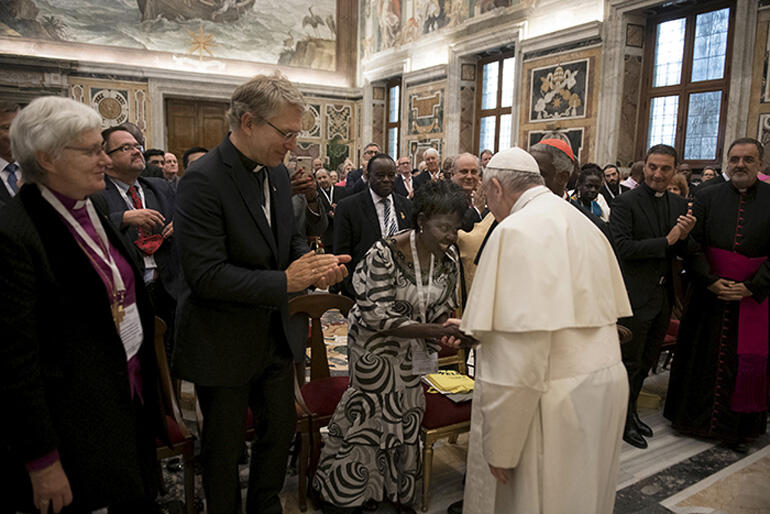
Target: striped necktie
(390, 223)
(11, 168)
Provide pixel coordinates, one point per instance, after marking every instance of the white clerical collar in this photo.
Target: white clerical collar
(528, 195)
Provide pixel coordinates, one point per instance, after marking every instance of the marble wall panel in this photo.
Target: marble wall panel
(311, 121)
(425, 109)
(329, 131)
(467, 109)
(629, 110)
(589, 98)
(378, 124)
(759, 105)
(115, 101)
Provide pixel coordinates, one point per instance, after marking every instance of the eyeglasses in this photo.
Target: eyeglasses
(127, 148)
(287, 134)
(91, 151)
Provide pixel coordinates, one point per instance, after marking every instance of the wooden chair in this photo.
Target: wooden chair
(443, 418)
(317, 399)
(182, 442)
(452, 357)
(668, 345)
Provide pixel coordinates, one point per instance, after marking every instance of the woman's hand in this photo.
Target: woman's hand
(50, 488)
(454, 338)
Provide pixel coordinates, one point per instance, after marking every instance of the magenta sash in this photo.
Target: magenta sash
(750, 393)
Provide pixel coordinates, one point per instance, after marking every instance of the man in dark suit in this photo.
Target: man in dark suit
(404, 184)
(9, 169)
(356, 179)
(242, 255)
(650, 226)
(612, 186)
(431, 171)
(364, 218)
(329, 195)
(465, 173)
(142, 209)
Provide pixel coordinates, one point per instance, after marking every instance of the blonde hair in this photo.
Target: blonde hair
(263, 96)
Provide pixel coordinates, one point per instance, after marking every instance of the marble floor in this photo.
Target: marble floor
(674, 474)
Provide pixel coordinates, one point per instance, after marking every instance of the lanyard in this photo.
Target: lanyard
(129, 201)
(328, 197)
(101, 248)
(423, 297)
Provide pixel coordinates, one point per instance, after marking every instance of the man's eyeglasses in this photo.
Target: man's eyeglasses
(287, 134)
(127, 148)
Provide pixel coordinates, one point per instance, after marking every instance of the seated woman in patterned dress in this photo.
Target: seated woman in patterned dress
(406, 287)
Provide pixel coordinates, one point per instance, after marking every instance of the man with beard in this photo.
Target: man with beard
(142, 209)
(718, 387)
(612, 186)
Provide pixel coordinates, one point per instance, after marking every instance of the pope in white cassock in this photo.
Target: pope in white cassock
(551, 390)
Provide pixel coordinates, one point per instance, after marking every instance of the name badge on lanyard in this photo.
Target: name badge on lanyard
(126, 317)
(422, 361)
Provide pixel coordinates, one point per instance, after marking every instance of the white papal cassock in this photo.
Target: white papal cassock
(551, 390)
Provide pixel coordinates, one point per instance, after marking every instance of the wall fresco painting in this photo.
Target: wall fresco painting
(287, 32)
(388, 23)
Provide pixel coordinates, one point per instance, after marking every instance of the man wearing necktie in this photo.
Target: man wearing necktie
(142, 209)
(364, 218)
(9, 169)
(650, 226)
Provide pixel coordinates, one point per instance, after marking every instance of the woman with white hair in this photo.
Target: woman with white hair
(77, 366)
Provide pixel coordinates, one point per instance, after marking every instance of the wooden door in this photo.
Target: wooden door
(194, 123)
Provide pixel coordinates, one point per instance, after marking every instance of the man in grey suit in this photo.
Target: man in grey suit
(242, 255)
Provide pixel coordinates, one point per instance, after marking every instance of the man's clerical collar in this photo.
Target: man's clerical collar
(651, 191)
(249, 164)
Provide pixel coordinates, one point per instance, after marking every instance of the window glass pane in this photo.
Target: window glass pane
(702, 125)
(507, 96)
(669, 48)
(487, 133)
(663, 113)
(489, 85)
(393, 143)
(505, 132)
(708, 59)
(393, 104)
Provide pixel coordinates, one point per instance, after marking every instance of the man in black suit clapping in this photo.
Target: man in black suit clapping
(649, 226)
(242, 255)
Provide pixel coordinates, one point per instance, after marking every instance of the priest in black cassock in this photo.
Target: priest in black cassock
(718, 385)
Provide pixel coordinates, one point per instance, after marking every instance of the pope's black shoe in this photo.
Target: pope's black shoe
(632, 436)
(641, 427)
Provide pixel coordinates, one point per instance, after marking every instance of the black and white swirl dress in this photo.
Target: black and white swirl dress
(372, 451)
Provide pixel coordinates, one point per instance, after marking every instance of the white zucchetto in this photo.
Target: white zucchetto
(514, 159)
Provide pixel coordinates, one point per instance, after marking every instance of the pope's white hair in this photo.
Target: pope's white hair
(48, 124)
(513, 181)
